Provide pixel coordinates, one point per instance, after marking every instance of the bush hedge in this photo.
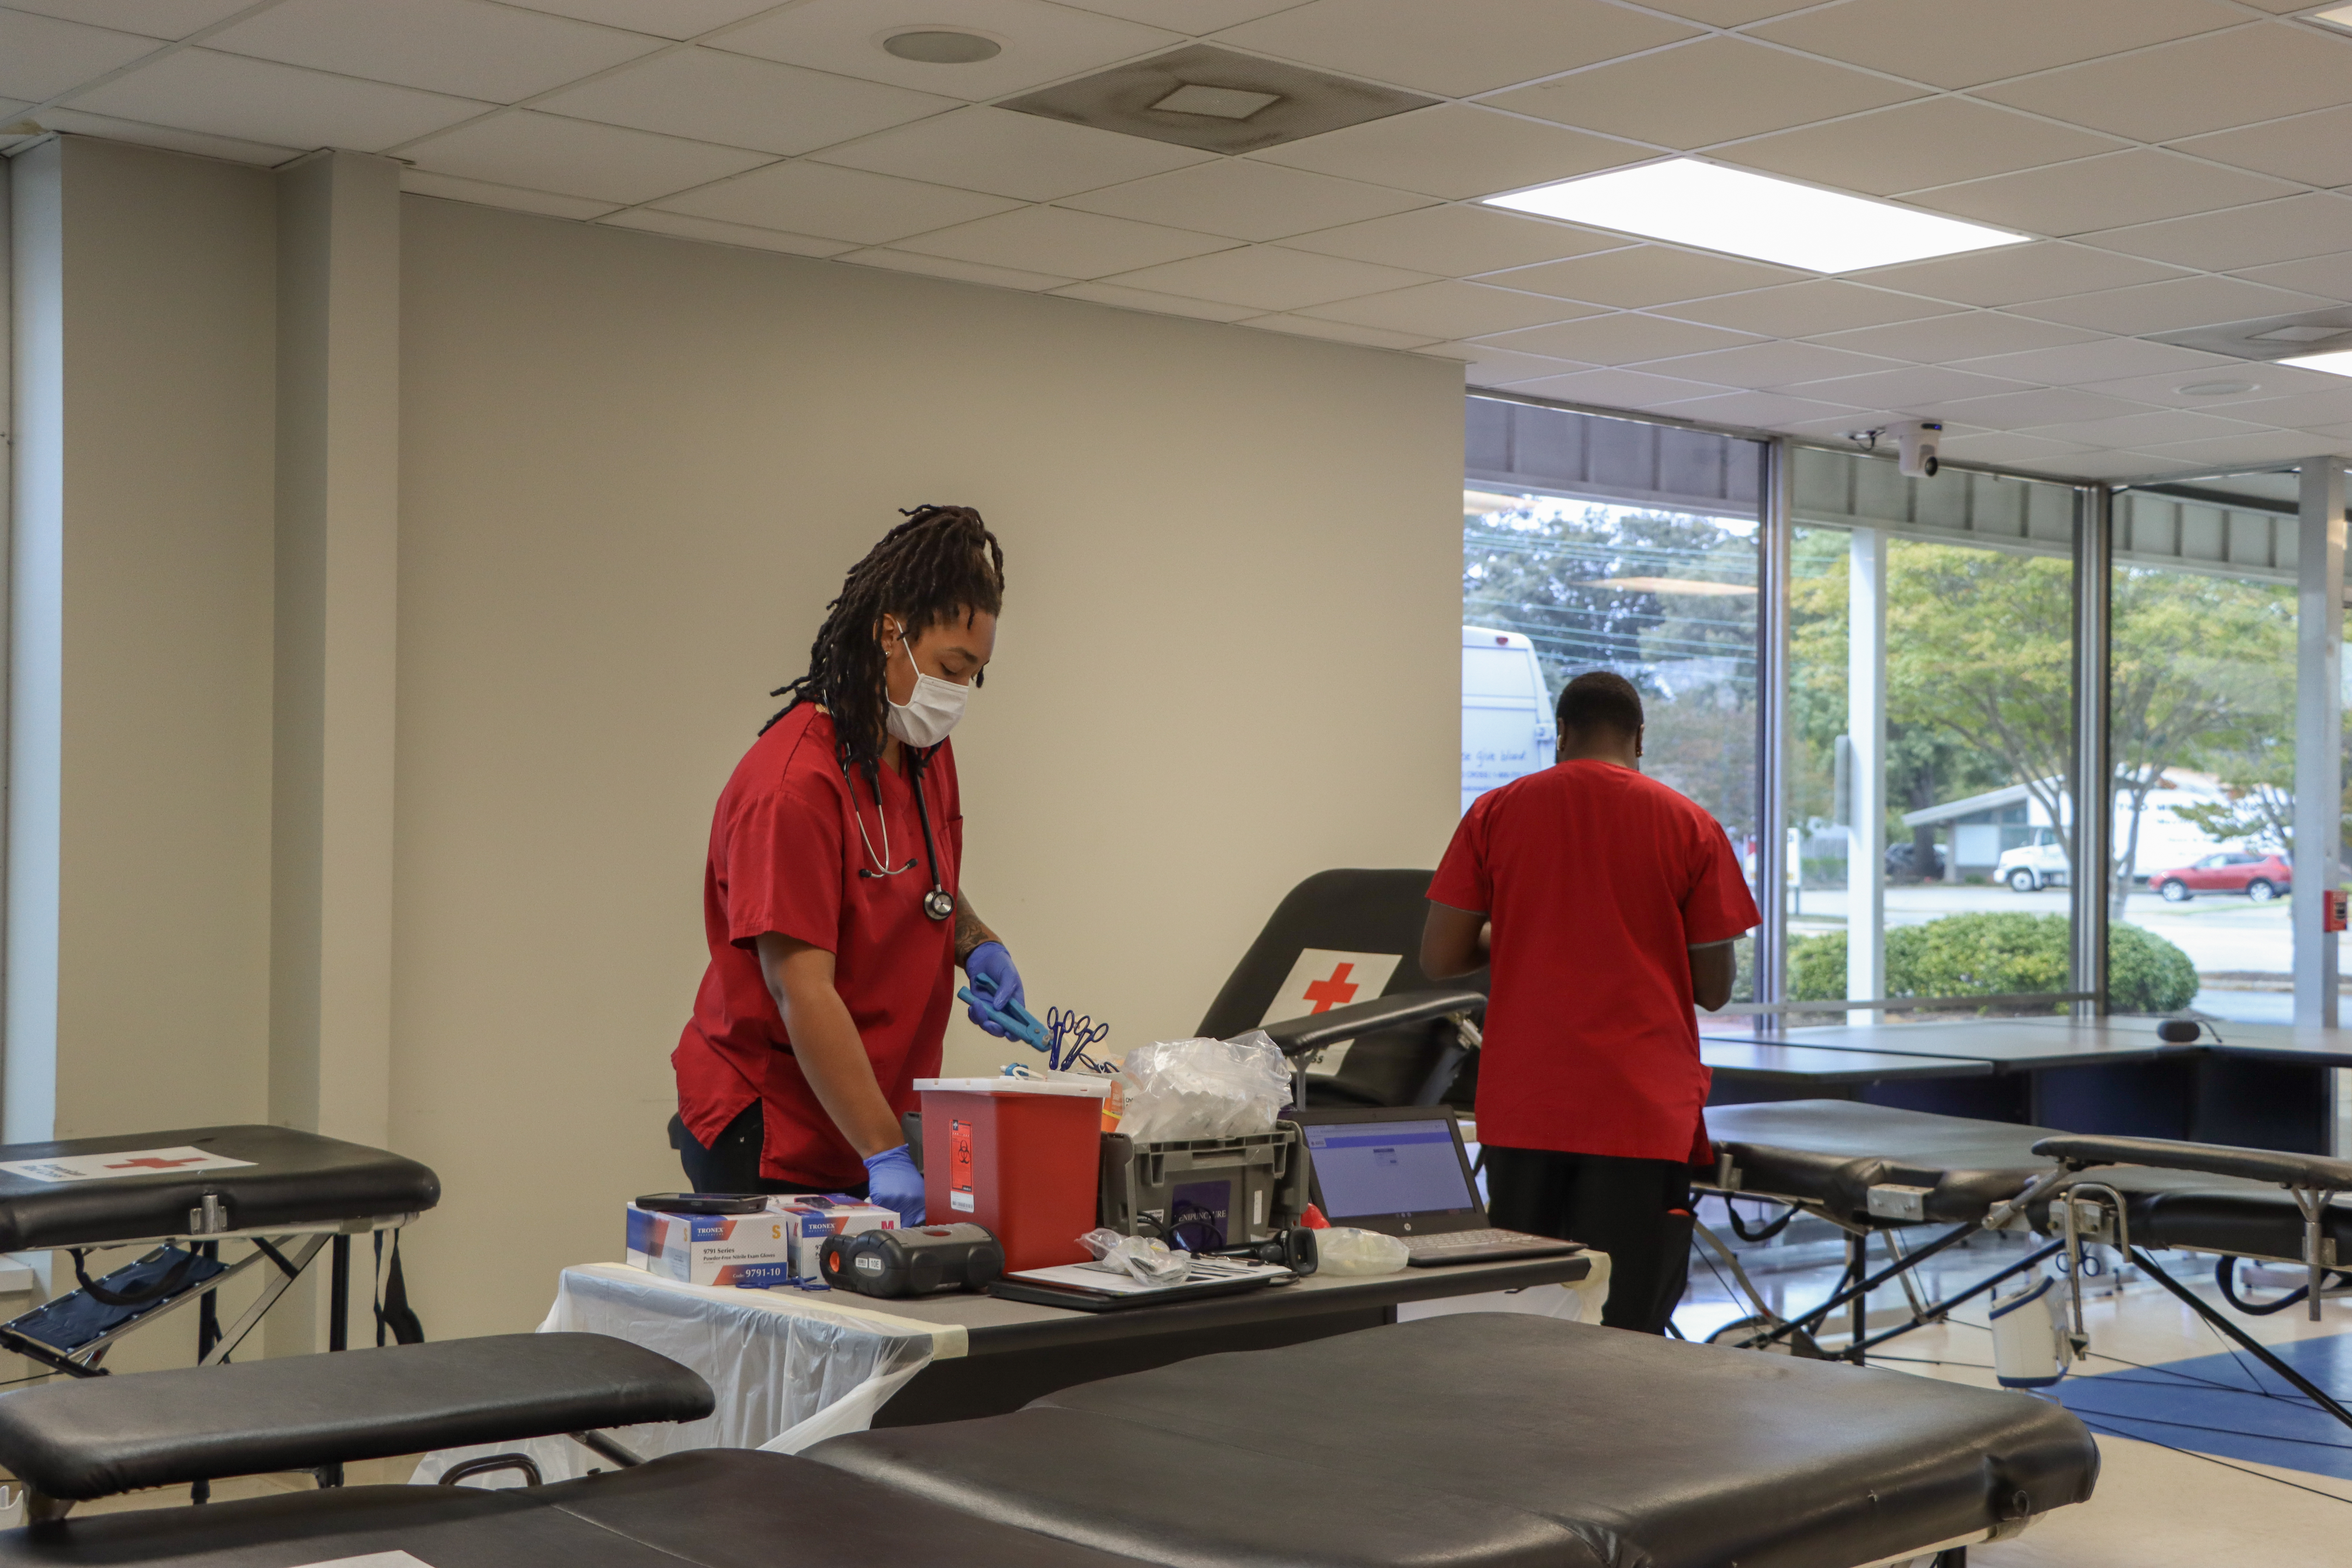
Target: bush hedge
(1996, 954)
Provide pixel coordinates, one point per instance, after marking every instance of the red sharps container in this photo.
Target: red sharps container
(1021, 1156)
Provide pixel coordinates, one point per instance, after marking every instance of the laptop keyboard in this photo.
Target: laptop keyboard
(1447, 1240)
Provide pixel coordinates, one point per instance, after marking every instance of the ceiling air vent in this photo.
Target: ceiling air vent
(2269, 337)
(1212, 99)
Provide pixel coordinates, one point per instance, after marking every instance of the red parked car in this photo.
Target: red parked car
(2261, 877)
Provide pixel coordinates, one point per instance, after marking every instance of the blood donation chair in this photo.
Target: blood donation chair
(1337, 965)
(1478, 1440)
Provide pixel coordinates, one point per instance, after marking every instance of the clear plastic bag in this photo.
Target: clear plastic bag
(1344, 1249)
(1202, 1089)
(1148, 1259)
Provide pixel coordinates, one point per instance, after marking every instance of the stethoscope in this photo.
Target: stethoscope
(939, 903)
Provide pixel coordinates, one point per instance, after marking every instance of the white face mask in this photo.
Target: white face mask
(926, 717)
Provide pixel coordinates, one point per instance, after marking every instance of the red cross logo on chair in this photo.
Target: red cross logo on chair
(1328, 993)
(149, 1162)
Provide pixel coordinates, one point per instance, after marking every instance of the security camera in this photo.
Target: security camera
(1915, 441)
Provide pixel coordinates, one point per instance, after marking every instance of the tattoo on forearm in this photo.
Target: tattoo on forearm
(970, 931)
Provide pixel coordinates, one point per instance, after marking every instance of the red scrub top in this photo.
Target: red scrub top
(785, 854)
(1598, 881)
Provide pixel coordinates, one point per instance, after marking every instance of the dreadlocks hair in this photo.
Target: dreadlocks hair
(940, 563)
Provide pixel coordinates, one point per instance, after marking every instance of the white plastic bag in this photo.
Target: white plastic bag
(1344, 1249)
(1148, 1259)
(1202, 1089)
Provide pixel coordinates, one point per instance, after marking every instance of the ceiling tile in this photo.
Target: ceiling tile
(2006, 276)
(1730, 13)
(1455, 149)
(1339, 332)
(2284, 230)
(1971, 334)
(2105, 360)
(2119, 466)
(1195, 19)
(1985, 40)
(2259, 71)
(1938, 142)
(741, 101)
(480, 193)
(2258, 446)
(2327, 275)
(41, 57)
(151, 19)
(2004, 448)
(204, 144)
(2105, 192)
(1762, 366)
(578, 158)
(2280, 387)
(470, 49)
(1756, 410)
(1042, 42)
(1074, 245)
(1711, 90)
(1456, 49)
(1450, 310)
(1619, 389)
(1917, 388)
(1270, 278)
(259, 101)
(2304, 411)
(1621, 338)
(2173, 306)
(2041, 406)
(663, 19)
(685, 227)
(1484, 365)
(838, 204)
(1156, 303)
(1644, 275)
(2146, 429)
(2315, 149)
(1803, 309)
(1245, 199)
(961, 270)
(1009, 155)
(1456, 239)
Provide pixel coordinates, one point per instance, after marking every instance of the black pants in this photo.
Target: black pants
(731, 1164)
(1636, 1211)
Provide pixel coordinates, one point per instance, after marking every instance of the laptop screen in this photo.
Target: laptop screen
(1388, 1168)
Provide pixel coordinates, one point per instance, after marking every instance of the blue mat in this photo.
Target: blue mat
(2227, 1405)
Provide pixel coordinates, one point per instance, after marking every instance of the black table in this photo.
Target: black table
(1750, 1071)
(1019, 1351)
(2260, 1085)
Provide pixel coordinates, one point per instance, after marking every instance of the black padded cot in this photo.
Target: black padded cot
(1478, 1441)
(177, 1196)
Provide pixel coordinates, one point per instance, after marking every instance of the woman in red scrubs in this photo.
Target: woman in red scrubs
(832, 897)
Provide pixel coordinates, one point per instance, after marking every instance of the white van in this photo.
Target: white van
(1506, 721)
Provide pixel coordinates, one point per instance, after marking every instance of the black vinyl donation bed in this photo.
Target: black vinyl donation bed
(1477, 1440)
(177, 1196)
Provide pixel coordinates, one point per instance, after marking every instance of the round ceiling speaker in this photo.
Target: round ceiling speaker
(939, 47)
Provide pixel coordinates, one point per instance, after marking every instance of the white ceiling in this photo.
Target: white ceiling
(2182, 162)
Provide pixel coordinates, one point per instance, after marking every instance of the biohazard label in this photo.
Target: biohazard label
(960, 1196)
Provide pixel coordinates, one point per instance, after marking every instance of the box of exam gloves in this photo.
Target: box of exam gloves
(750, 1251)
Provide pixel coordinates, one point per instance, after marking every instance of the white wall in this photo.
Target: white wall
(634, 471)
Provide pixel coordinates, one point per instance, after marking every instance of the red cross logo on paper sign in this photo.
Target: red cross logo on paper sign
(149, 1162)
(1328, 993)
(1321, 979)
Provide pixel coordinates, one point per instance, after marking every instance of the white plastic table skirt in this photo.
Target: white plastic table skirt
(790, 1368)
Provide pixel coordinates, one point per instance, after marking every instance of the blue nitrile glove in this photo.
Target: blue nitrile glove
(993, 976)
(893, 1182)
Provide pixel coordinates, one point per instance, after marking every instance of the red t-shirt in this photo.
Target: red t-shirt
(785, 854)
(1599, 882)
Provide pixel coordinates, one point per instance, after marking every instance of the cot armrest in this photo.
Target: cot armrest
(1317, 1031)
(2287, 1170)
(94, 1437)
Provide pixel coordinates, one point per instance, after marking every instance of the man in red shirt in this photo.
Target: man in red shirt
(1607, 904)
(833, 900)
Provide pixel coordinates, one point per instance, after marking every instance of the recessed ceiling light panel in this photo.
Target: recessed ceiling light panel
(1217, 102)
(1685, 202)
(940, 47)
(2339, 16)
(1220, 100)
(2336, 364)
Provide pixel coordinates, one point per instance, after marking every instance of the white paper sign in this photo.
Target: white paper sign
(1323, 979)
(114, 1167)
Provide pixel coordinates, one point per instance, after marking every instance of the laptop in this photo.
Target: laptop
(1401, 1169)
